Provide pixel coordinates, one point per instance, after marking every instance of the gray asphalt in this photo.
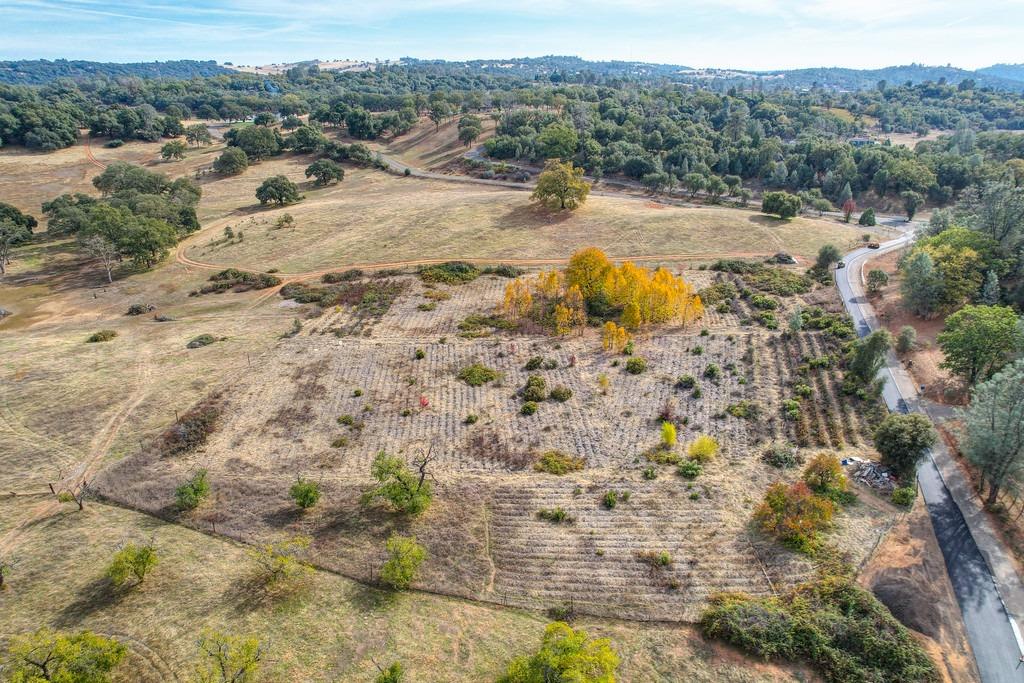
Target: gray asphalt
(990, 629)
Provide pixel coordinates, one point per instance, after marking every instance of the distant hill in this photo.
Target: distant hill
(560, 65)
(1013, 72)
(554, 68)
(860, 79)
(39, 71)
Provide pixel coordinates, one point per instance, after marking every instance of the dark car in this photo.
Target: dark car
(872, 245)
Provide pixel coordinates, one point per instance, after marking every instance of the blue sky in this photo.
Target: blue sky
(747, 34)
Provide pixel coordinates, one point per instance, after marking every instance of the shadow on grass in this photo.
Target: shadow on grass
(99, 594)
(533, 215)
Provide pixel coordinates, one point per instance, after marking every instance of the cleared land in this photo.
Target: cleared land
(281, 421)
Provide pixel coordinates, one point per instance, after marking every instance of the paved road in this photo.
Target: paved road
(983, 576)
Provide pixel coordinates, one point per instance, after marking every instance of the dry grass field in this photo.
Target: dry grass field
(332, 629)
(432, 148)
(373, 217)
(72, 411)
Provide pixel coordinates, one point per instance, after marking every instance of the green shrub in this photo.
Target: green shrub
(658, 559)
(686, 382)
(471, 419)
(534, 363)
(201, 340)
(450, 273)
(718, 293)
(650, 473)
(528, 408)
(503, 270)
(101, 336)
(556, 515)
(420, 354)
(782, 456)
(779, 281)
(405, 490)
(697, 350)
(561, 394)
(712, 372)
(764, 302)
(132, 561)
(691, 469)
(791, 409)
(557, 462)
(305, 493)
(343, 276)
(802, 390)
(477, 375)
(610, 499)
(636, 365)
(536, 389)
(190, 494)
(405, 556)
(832, 624)
(904, 496)
(747, 410)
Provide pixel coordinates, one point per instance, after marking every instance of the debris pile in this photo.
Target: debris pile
(870, 474)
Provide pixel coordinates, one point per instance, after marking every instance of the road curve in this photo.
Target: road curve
(982, 575)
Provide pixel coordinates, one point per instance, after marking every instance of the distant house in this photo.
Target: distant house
(861, 142)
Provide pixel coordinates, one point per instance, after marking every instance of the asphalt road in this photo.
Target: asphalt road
(992, 633)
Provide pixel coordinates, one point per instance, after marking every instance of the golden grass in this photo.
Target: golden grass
(374, 217)
(332, 629)
(429, 148)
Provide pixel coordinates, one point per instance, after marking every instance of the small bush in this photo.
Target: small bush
(904, 496)
(794, 515)
(764, 302)
(691, 469)
(782, 456)
(477, 375)
(668, 435)
(343, 276)
(697, 350)
(712, 372)
(405, 556)
(189, 495)
(561, 394)
(610, 499)
(802, 390)
(791, 409)
(192, 429)
(536, 389)
(559, 463)
(419, 354)
(471, 419)
(556, 515)
(450, 273)
(747, 410)
(138, 309)
(703, 449)
(534, 363)
(824, 475)
(528, 408)
(503, 270)
(650, 473)
(636, 365)
(101, 336)
(662, 456)
(201, 340)
(132, 561)
(906, 340)
(305, 493)
(657, 559)
(686, 382)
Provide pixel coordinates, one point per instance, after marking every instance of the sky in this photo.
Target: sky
(740, 34)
